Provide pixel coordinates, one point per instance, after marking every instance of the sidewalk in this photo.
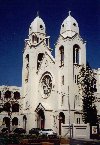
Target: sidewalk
(64, 144)
(64, 141)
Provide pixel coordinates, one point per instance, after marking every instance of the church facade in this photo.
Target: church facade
(50, 84)
(50, 94)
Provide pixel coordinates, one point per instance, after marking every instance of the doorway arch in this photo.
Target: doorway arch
(24, 121)
(7, 122)
(61, 120)
(40, 119)
(15, 121)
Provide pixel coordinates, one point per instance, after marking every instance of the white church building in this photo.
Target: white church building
(49, 92)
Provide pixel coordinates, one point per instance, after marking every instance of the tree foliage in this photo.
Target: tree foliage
(87, 86)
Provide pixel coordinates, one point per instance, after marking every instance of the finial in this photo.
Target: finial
(37, 13)
(69, 13)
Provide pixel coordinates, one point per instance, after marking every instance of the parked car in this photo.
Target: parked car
(47, 132)
(5, 130)
(34, 131)
(19, 130)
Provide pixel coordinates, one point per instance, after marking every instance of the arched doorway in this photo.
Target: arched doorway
(61, 120)
(24, 121)
(15, 121)
(40, 119)
(7, 122)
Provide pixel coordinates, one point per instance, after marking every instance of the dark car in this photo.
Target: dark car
(4, 130)
(34, 131)
(19, 130)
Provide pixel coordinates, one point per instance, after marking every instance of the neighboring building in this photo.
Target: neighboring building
(10, 102)
(97, 94)
(49, 85)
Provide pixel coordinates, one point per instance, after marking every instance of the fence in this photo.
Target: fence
(76, 131)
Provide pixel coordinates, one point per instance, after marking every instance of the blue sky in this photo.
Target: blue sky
(16, 17)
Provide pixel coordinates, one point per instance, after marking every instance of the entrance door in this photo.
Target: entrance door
(61, 120)
(24, 121)
(7, 122)
(41, 119)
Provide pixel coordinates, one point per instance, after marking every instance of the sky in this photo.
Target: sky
(16, 17)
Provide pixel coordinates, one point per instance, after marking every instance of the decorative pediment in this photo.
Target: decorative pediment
(44, 107)
(39, 107)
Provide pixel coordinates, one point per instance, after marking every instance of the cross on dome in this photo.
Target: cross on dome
(69, 24)
(69, 13)
(37, 25)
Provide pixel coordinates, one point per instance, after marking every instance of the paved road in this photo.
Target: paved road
(84, 142)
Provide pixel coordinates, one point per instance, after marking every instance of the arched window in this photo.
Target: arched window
(7, 107)
(24, 121)
(27, 67)
(61, 55)
(16, 95)
(39, 59)
(35, 39)
(6, 120)
(15, 121)
(15, 107)
(76, 49)
(78, 120)
(61, 120)
(46, 83)
(76, 79)
(7, 94)
(27, 59)
(62, 117)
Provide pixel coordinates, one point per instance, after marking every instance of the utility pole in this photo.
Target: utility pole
(69, 113)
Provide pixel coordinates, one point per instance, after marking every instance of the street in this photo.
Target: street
(84, 142)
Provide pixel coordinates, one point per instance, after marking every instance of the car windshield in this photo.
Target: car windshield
(47, 130)
(18, 128)
(35, 129)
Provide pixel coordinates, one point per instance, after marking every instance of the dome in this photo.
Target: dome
(37, 26)
(69, 24)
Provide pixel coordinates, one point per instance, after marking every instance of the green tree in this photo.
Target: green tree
(87, 87)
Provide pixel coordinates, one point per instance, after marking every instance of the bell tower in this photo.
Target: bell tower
(35, 47)
(37, 31)
(70, 54)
